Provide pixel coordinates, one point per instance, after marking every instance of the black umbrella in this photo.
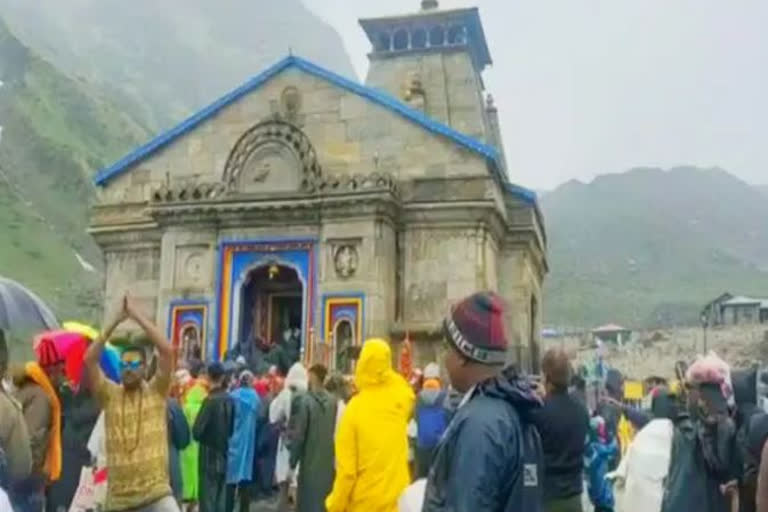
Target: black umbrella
(20, 309)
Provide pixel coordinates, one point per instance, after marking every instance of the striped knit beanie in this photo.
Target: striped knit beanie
(475, 328)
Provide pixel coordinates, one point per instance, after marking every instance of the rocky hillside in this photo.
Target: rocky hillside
(55, 132)
(164, 59)
(84, 81)
(651, 247)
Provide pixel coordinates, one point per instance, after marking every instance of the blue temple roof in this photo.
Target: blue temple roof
(373, 95)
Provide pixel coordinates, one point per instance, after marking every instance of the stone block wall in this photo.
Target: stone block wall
(135, 271)
(453, 88)
(374, 240)
(520, 286)
(442, 266)
(350, 135)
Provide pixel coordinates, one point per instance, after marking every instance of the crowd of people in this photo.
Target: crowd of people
(222, 436)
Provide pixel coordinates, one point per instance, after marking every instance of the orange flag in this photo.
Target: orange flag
(406, 358)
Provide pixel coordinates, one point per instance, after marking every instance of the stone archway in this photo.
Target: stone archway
(343, 341)
(272, 311)
(272, 156)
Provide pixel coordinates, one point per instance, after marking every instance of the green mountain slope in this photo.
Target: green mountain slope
(165, 59)
(55, 132)
(651, 247)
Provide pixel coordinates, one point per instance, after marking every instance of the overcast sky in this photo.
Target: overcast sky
(588, 87)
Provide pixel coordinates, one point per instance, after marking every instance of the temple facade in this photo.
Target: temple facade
(308, 207)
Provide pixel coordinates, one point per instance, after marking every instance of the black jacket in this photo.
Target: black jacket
(212, 429)
(490, 458)
(563, 424)
(703, 457)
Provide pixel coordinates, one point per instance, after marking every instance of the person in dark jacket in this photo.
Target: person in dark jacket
(178, 439)
(311, 434)
(745, 396)
(563, 424)
(611, 407)
(758, 449)
(212, 429)
(490, 458)
(704, 454)
(14, 437)
(80, 411)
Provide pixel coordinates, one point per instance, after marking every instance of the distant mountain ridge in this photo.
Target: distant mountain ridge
(650, 247)
(163, 60)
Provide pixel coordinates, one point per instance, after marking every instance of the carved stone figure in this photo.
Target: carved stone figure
(345, 260)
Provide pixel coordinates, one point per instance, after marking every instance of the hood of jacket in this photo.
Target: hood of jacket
(374, 368)
(664, 405)
(744, 384)
(613, 381)
(430, 396)
(514, 388)
(374, 372)
(297, 378)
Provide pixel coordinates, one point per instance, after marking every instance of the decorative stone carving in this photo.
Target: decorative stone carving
(290, 101)
(415, 95)
(269, 150)
(345, 260)
(192, 265)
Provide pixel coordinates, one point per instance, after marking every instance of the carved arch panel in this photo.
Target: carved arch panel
(272, 156)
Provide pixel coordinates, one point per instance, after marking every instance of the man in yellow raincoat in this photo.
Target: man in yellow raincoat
(371, 444)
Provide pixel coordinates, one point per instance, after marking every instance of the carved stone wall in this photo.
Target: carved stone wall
(372, 241)
(350, 136)
(442, 266)
(452, 88)
(135, 271)
(520, 282)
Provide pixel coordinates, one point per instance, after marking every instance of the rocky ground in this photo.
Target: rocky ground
(655, 352)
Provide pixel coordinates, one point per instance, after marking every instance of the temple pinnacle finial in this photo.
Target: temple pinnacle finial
(427, 5)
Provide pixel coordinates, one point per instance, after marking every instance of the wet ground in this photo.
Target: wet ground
(264, 506)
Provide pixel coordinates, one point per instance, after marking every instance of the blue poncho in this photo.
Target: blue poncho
(242, 444)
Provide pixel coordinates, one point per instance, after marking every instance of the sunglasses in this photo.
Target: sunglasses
(131, 365)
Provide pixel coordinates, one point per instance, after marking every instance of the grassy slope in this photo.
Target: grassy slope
(56, 133)
(651, 248)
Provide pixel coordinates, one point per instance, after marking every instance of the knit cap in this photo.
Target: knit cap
(475, 327)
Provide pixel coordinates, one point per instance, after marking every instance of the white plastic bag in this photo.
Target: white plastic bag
(412, 499)
(89, 494)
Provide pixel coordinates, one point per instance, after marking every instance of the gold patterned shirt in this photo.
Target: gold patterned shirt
(136, 442)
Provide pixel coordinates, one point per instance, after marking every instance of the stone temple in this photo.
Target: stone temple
(307, 205)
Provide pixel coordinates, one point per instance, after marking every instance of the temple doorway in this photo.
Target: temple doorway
(272, 312)
(343, 342)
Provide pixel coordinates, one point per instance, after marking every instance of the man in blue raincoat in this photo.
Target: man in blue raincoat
(242, 444)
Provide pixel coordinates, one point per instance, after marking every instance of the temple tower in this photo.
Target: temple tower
(433, 59)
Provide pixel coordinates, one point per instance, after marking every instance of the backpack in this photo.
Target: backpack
(432, 420)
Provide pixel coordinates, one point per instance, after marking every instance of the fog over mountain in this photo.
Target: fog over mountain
(650, 247)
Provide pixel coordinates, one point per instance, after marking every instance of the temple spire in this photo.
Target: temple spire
(428, 5)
